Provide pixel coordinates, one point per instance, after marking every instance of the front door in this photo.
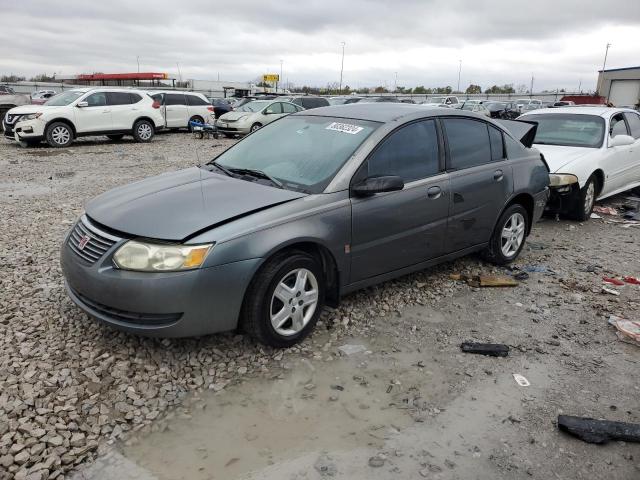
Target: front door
(620, 163)
(398, 229)
(95, 117)
(176, 111)
(481, 181)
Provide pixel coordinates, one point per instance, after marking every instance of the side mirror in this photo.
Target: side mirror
(82, 104)
(621, 141)
(373, 185)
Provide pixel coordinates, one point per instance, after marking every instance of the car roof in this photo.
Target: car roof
(380, 112)
(603, 111)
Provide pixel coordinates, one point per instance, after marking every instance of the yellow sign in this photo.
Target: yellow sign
(271, 77)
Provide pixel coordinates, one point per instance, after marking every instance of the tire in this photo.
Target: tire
(115, 138)
(255, 126)
(508, 236)
(586, 200)
(272, 312)
(59, 135)
(195, 118)
(143, 131)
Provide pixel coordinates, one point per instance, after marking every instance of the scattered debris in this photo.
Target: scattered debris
(485, 280)
(598, 431)
(610, 291)
(231, 461)
(521, 380)
(337, 387)
(631, 280)
(538, 269)
(377, 461)
(520, 276)
(350, 349)
(325, 466)
(628, 330)
(490, 349)
(595, 216)
(605, 210)
(613, 281)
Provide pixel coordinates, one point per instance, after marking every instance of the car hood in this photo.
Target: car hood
(27, 109)
(176, 205)
(235, 115)
(558, 156)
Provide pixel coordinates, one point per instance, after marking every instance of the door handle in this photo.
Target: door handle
(434, 192)
(498, 175)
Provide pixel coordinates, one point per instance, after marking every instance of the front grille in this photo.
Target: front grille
(11, 119)
(88, 243)
(150, 319)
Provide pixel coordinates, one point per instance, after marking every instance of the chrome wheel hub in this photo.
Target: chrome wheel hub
(61, 135)
(144, 131)
(294, 301)
(512, 235)
(589, 198)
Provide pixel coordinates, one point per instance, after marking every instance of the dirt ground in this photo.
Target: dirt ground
(86, 402)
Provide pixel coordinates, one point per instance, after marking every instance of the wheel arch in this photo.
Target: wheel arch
(526, 200)
(599, 174)
(144, 117)
(62, 120)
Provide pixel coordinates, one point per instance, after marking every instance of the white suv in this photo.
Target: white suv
(180, 108)
(86, 111)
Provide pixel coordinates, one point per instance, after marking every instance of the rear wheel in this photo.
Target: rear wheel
(586, 200)
(284, 300)
(115, 138)
(508, 236)
(143, 131)
(59, 135)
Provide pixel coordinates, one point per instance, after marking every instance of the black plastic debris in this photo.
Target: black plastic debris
(598, 431)
(490, 349)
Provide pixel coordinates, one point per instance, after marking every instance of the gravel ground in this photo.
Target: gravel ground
(72, 390)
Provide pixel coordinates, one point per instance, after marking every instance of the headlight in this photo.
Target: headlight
(155, 257)
(562, 179)
(32, 116)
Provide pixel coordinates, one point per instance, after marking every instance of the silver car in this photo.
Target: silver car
(311, 207)
(254, 115)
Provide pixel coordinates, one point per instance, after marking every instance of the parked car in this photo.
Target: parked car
(523, 103)
(448, 100)
(9, 99)
(221, 106)
(592, 152)
(564, 103)
(85, 111)
(254, 115)
(476, 108)
(344, 100)
(384, 99)
(180, 108)
(307, 102)
(299, 213)
(504, 110)
(6, 90)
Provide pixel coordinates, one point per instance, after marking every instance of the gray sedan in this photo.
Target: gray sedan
(307, 209)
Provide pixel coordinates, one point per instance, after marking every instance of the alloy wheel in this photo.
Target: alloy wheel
(512, 235)
(294, 301)
(144, 131)
(589, 198)
(61, 135)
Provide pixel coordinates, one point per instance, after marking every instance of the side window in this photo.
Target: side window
(298, 101)
(289, 108)
(274, 108)
(618, 126)
(633, 119)
(135, 98)
(98, 99)
(118, 98)
(157, 97)
(497, 148)
(194, 100)
(514, 148)
(174, 99)
(410, 153)
(468, 142)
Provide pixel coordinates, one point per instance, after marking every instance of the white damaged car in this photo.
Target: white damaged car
(592, 153)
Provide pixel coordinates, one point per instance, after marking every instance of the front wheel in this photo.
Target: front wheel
(284, 300)
(586, 201)
(255, 126)
(143, 131)
(508, 236)
(59, 135)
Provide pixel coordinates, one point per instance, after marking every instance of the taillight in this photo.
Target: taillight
(156, 104)
(211, 109)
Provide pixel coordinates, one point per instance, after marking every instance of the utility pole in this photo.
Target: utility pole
(138, 61)
(395, 88)
(179, 73)
(580, 86)
(341, 68)
(604, 65)
(459, 72)
(280, 77)
(531, 90)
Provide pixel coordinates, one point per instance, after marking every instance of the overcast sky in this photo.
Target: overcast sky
(560, 42)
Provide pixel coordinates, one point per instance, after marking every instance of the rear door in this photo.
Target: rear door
(398, 229)
(481, 180)
(621, 162)
(633, 120)
(197, 106)
(121, 110)
(96, 117)
(176, 112)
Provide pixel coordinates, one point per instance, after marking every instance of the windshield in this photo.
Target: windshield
(437, 100)
(571, 130)
(64, 98)
(302, 152)
(255, 106)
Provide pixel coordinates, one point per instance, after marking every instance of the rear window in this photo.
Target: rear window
(135, 98)
(571, 130)
(118, 98)
(195, 101)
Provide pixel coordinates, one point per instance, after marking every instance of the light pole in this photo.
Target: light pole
(341, 68)
(395, 85)
(280, 77)
(138, 61)
(604, 65)
(179, 72)
(531, 90)
(459, 72)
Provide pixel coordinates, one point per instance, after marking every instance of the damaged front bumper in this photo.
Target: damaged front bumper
(564, 193)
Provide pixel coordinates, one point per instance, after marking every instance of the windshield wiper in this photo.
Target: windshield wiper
(220, 167)
(258, 174)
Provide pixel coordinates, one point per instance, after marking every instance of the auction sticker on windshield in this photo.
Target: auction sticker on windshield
(345, 128)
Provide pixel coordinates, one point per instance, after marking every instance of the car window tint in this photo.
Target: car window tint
(618, 125)
(274, 108)
(289, 108)
(468, 142)
(194, 100)
(410, 153)
(174, 99)
(514, 148)
(118, 98)
(634, 123)
(135, 98)
(497, 147)
(97, 99)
